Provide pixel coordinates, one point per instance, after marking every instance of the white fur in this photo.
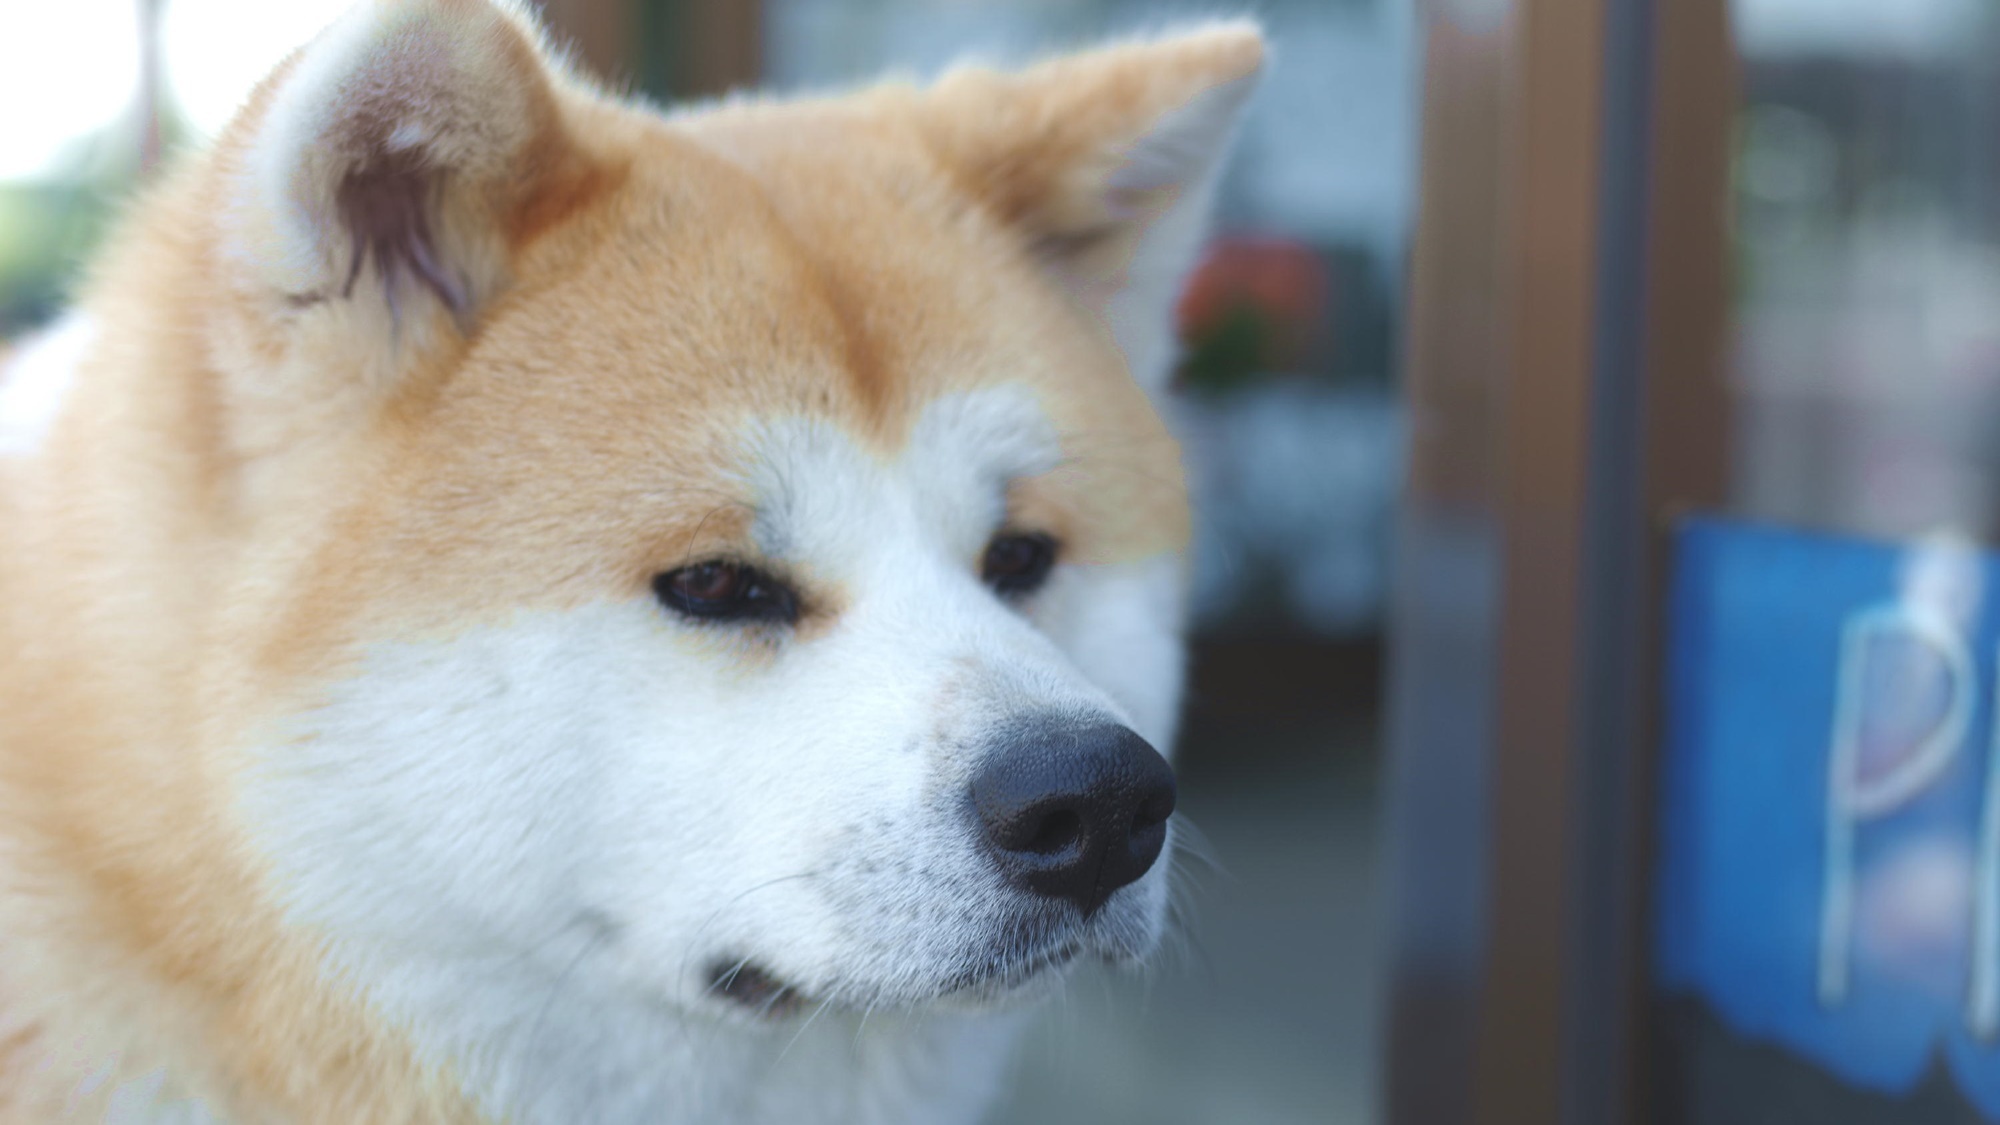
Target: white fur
(147, 1101)
(533, 842)
(34, 382)
(1183, 152)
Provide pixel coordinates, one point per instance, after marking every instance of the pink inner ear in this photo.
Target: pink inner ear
(385, 204)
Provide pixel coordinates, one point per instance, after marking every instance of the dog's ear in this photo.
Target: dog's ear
(1106, 162)
(381, 177)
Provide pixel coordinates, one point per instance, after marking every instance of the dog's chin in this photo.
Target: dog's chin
(1007, 985)
(1006, 976)
(759, 993)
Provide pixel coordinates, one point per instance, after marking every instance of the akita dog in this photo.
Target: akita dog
(518, 607)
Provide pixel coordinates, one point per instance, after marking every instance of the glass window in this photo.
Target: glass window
(1830, 746)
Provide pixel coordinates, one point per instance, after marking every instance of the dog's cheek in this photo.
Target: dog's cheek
(445, 790)
(737, 789)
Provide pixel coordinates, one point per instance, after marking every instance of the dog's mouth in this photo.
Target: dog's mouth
(755, 989)
(762, 993)
(1000, 976)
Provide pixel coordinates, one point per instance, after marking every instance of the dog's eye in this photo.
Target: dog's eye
(725, 591)
(1018, 563)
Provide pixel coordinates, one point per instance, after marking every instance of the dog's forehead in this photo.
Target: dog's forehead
(717, 355)
(811, 268)
(818, 493)
(845, 281)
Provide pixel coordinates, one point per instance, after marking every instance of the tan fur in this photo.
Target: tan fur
(241, 486)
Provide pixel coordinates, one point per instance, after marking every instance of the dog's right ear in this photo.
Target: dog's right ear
(1105, 163)
(377, 183)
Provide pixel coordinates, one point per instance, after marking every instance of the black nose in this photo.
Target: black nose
(1073, 811)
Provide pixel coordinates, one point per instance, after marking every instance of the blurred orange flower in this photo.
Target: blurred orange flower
(1254, 304)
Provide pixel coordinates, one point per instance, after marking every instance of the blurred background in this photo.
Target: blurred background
(1401, 346)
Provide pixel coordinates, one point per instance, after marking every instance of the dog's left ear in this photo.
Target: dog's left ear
(1106, 162)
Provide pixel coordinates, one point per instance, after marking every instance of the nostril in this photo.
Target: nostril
(1153, 813)
(1058, 832)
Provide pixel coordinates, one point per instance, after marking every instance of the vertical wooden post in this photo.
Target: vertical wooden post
(150, 77)
(669, 49)
(1566, 396)
(602, 32)
(719, 45)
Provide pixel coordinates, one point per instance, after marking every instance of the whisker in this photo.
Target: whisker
(702, 930)
(823, 1006)
(1195, 952)
(724, 980)
(862, 1026)
(687, 553)
(590, 945)
(1190, 841)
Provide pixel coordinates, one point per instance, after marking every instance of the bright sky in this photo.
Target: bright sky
(70, 67)
(65, 69)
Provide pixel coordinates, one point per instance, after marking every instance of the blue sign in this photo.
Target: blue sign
(1830, 828)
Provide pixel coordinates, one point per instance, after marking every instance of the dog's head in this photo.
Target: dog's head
(730, 557)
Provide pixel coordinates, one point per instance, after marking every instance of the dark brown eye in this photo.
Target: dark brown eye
(1018, 563)
(725, 591)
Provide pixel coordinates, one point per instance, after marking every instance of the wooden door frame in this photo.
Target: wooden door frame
(1568, 351)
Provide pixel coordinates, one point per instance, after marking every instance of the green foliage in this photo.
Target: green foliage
(1232, 353)
(46, 232)
(50, 225)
